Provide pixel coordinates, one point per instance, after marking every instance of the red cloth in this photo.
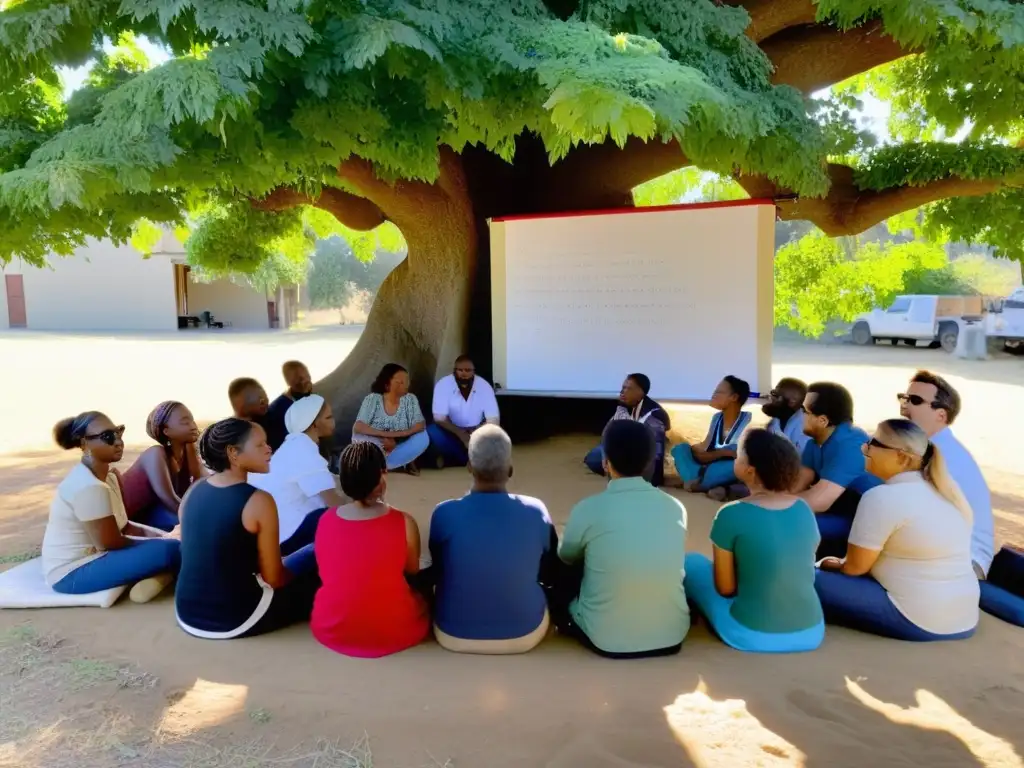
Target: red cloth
(365, 607)
(136, 491)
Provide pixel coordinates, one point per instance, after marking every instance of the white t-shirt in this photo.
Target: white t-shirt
(464, 412)
(965, 472)
(298, 475)
(925, 560)
(81, 497)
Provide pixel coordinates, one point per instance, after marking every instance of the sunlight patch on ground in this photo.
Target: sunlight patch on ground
(726, 733)
(934, 714)
(204, 705)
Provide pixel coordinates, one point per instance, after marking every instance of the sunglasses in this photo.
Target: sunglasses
(108, 436)
(915, 400)
(875, 443)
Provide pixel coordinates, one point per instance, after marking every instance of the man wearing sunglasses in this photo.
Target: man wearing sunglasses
(785, 408)
(932, 403)
(833, 476)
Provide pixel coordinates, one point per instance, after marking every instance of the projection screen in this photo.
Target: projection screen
(681, 293)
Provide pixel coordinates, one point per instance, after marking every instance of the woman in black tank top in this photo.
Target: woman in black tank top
(226, 525)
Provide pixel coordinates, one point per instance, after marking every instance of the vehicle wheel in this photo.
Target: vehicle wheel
(910, 342)
(862, 335)
(948, 335)
(934, 345)
(894, 342)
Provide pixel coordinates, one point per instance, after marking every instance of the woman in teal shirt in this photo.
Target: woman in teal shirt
(758, 595)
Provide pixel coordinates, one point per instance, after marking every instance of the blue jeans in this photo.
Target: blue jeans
(157, 516)
(699, 583)
(406, 451)
(448, 446)
(861, 603)
(120, 567)
(304, 534)
(712, 475)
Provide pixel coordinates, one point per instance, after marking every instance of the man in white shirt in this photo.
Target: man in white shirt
(299, 479)
(462, 403)
(932, 403)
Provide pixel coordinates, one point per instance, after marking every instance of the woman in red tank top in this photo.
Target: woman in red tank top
(364, 550)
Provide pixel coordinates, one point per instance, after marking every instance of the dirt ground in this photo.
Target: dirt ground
(125, 687)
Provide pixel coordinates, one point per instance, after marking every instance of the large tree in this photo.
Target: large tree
(434, 115)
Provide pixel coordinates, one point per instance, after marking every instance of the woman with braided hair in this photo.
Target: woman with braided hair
(907, 573)
(365, 551)
(233, 581)
(154, 484)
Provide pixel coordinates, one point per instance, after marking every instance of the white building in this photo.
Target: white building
(105, 287)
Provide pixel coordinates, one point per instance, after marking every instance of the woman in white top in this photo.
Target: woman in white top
(299, 478)
(89, 544)
(907, 573)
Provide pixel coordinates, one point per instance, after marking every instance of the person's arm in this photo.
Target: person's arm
(416, 420)
(725, 571)
(154, 463)
(491, 413)
(412, 545)
(365, 416)
(323, 485)
(807, 475)
(858, 561)
(260, 517)
(700, 452)
(92, 508)
(724, 531)
(571, 550)
(822, 495)
(844, 466)
(874, 523)
(446, 425)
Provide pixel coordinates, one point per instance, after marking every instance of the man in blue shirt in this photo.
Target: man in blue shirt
(300, 384)
(491, 550)
(932, 403)
(833, 476)
(785, 408)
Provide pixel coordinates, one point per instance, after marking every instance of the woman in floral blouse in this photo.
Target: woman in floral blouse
(390, 416)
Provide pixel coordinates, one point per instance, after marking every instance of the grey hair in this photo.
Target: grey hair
(490, 453)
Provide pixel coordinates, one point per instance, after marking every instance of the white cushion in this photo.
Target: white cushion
(24, 586)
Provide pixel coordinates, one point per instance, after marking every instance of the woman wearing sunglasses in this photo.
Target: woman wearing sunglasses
(89, 544)
(155, 484)
(907, 573)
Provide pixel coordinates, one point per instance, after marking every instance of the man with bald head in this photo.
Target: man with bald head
(489, 550)
(300, 384)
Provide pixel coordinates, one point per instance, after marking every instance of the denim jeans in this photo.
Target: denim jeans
(304, 534)
(713, 475)
(448, 446)
(406, 451)
(860, 602)
(157, 516)
(120, 567)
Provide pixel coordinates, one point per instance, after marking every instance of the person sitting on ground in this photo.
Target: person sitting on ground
(462, 403)
(907, 573)
(233, 581)
(785, 408)
(153, 486)
(759, 593)
(299, 479)
(89, 544)
(708, 467)
(490, 549)
(833, 476)
(635, 405)
(248, 400)
(366, 550)
(300, 385)
(390, 417)
(932, 403)
(622, 595)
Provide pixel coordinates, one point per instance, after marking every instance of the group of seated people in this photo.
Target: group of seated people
(888, 534)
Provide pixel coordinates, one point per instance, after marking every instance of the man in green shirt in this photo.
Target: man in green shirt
(631, 541)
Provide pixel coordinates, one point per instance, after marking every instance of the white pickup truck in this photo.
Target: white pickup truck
(936, 321)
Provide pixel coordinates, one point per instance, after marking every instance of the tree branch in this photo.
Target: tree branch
(817, 56)
(353, 211)
(616, 171)
(848, 210)
(768, 17)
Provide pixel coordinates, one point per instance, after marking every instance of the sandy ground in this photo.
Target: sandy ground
(126, 687)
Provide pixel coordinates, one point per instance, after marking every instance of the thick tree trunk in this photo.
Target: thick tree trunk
(436, 304)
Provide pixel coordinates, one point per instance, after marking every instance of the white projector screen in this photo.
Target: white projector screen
(681, 293)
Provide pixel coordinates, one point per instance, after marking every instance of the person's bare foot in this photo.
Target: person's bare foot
(691, 486)
(412, 469)
(147, 589)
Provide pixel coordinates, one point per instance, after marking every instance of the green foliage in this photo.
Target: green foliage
(337, 273)
(687, 185)
(817, 281)
(259, 94)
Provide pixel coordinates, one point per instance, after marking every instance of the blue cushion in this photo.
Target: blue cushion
(1002, 604)
(1007, 570)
